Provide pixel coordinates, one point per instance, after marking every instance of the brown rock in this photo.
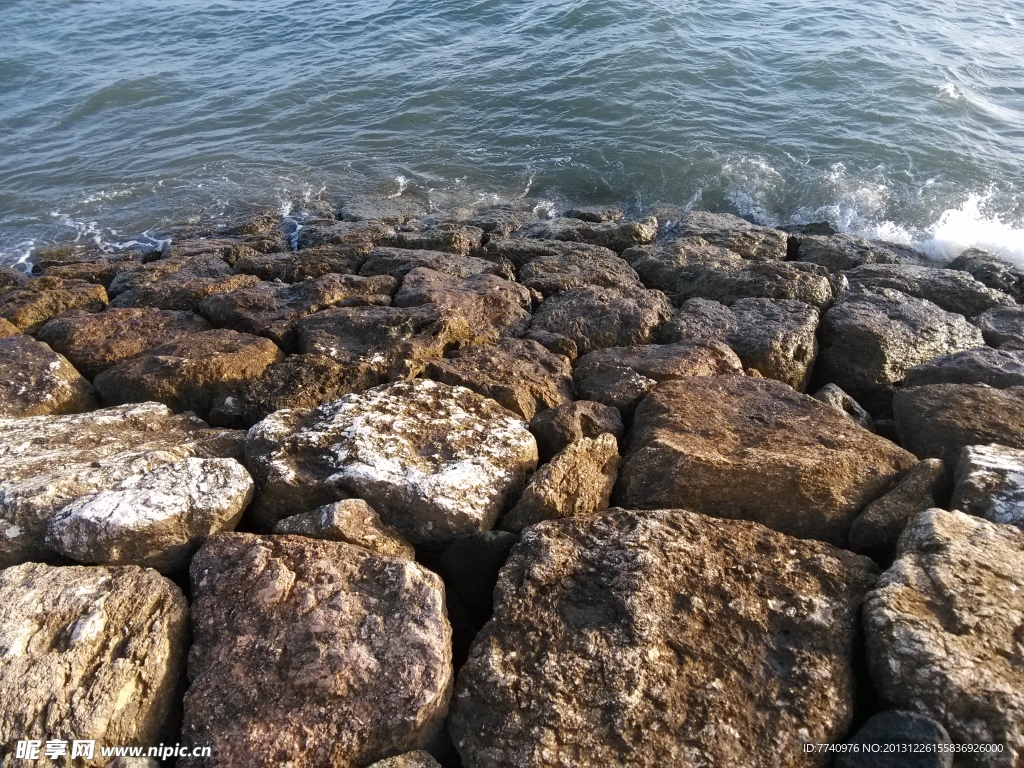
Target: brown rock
(450, 237)
(6, 329)
(352, 521)
(727, 231)
(836, 398)
(398, 262)
(30, 306)
(95, 342)
(417, 759)
(519, 251)
(735, 447)
(35, 381)
(615, 235)
(11, 277)
(558, 427)
(307, 264)
(551, 274)
(660, 266)
(730, 281)
(554, 342)
(177, 283)
(358, 235)
(101, 272)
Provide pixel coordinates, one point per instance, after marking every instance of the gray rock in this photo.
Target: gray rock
(841, 252)
(450, 237)
(730, 281)
(313, 653)
(156, 519)
(374, 210)
(360, 236)
(435, 461)
(12, 278)
(352, 521)
(659, 266)
(417, 759)
(877, 530)
(518, 252)
(991, 271)
(836, 398)
(950, 289)
(308, 264)
(36, 381)
(554, 342)
(89, 654)
(990, 483)
(885, 729)
(750, 241)
(1000, 368)
(628, 638)
(1002, 327)
(398, 262)
(615, 235)
(601, 267)
(558, 427)
(870, 341)
(943, 630)
(47, 462)
(595, 213)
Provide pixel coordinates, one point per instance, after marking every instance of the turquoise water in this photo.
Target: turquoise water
(900, 120)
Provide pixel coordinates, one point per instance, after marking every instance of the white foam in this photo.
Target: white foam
(969, 226)
(403, 184)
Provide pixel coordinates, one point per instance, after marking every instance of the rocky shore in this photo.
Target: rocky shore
(378, 485)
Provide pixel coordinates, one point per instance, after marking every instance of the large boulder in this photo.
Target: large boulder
(1000, 368)
(190, 373)
(735, 447)
(991, 271)
(352, 521)
(778, 339)
(549, 275)
(750, 241)
(728, 281)
(943, 631)
(870, 341)
(614, 235)
(519, 373)
(448, 236)
(307, 264)
(157, 519)
(313, 653)
(36, 381)
(435, 461)
(399, 262)
(840, 252)
(1002, 327)
(659, 266)
(176, 283)
(662, 638)
(89, 654)
(47, 462)
(558, 427)
(29, 307)
(595, 317)
(938, 421)
(990, 483)
(950, 289)
(520, 251)
(359, 236)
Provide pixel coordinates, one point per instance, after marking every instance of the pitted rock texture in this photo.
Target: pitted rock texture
(551, 274)
(614, 235)
(352, 521)
(519, 373)
(95, 342)
(100, 272)
(28, 307)
(6, 329)
(875, 738)
(870, 341)
(11, 277)
(399, 262)
(417, 759)
(840, 252)
(36, 381)
(558, 427)
(727, 231)
(578, 481)
(307, 264)
(176, 283)
(450, 237)
(950, 289)
(360, 236)
(736, 447)
(190, 373)
(662, 638)
(943, 631)
(520, 251)
(1002, 327)
(991, 271)
(596, 317)
(990, 483)
(435, 461)
(998, 368)
(46, 462)
(659, 266)
(89, 653)
(728, 281)
(313, 653)
(836, 398)
(156, 519)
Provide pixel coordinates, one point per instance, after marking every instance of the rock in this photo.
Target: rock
(952, 290)
(595, 214)
(990, 484)
(450, 237)
(6, 329)
(435, 461)
(30, 306)
(836, 398)
(360, 237)
(229, 249)
(398, 262)
(521, 251)
(95, 342)
(352, 521)
(486, 306)
(11, 277)
(89, 654)
(992, 271)
(470, 566)
(520, 374)
(940, 420)
(501, 220)
(35, 381)
(615, 235)
(730, 281)
(308, 264)
(391, 210)
(1002, 327)
(841, 252)
(659, 266)
(877, 530)
(620, 376)
(735, 447)
(177, 283)
(157, 519)
(727, 231)
(100, 272)
(554, 342)
(776, 338)
(876, 737)
(601, 267)
(870, 341)
(189, 374)
(596, 317)
(943, 630)
(629, 638)
(999, 368)
(46, 462)
(313, 653)
(417, 759)
(558, 427)
(578, 481)
(274, 309)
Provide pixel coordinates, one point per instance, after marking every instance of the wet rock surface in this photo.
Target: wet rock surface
(998, 368)
(1002, 327)
(313, 653)
(950, 289)
(307, 264)
(28, 307)
(614, 235)
(582, 663)
(841, 252)
(36, 381)
(943, 630)
(991, 271)
(990, 483)
(728, 281)
(735, 447)
(352, 521)
(738, 235)
(558, 427)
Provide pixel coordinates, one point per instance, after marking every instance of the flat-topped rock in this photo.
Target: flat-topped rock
(659, 266)
(448, 236)
(841, 252)
(434, 461)
(991, 271)
(1002, 327)
(750, 241)
(359, 236)
(177, 283)
(950, 289)
(990, 483)
(352, 521)
(94, 342)
(615, 235)
(1000, 368)
(735, 279)
(313, 653)
(307, 264)
(736, 447)
(551, 274)
(628, 638)
(398, 262)
(29, 306)
(89, 654)
(943, 630)
(101, 271)
(519, 251)
(36, 381)
(191, 373)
